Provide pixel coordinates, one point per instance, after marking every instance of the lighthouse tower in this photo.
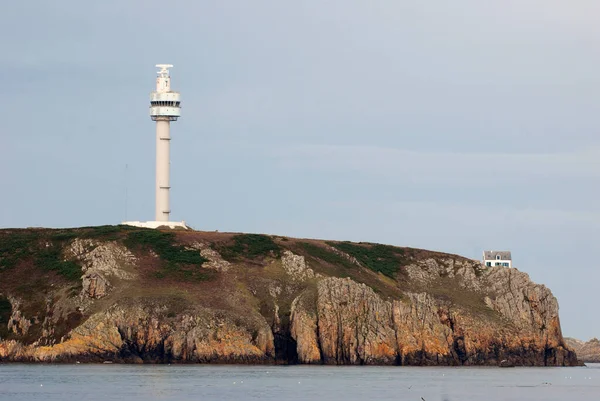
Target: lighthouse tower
(165, 106)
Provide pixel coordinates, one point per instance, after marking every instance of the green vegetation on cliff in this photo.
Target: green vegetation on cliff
(326, 255)
(179, 262)
(42, 247)
(163, 244)
(384, 259)
(249, 246)
(50, 259)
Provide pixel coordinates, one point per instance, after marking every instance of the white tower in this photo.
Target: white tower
(164, 108)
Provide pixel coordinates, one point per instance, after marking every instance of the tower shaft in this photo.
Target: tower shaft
(163, 185)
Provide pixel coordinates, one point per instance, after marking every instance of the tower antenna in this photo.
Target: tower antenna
(126, 190)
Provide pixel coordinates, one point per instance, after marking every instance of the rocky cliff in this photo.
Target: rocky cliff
(132, 295)
(586, 351)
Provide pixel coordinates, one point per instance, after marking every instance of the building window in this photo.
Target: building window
(488, 264)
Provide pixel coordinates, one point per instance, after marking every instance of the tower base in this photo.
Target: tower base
(157, 224)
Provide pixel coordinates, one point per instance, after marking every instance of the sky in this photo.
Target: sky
(456, 126)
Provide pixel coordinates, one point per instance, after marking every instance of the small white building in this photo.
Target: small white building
(497, 258)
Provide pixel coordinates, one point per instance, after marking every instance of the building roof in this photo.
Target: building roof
(492, 255)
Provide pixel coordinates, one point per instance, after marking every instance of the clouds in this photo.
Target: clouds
(480, 169)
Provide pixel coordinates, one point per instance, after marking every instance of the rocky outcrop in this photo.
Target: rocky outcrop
(18, 323)
(269, 302)
(586, 351)
(95, 285)
(524, 303)
(353, 325)
(295, 266)
(145, 333)
(215, 261)
(107, 258)
(428, 271)
(424, 331)
(303, 329)
(98, 262)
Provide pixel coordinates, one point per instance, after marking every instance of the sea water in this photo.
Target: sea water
(348, 383)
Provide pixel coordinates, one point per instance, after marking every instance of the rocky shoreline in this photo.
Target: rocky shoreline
(195, 297)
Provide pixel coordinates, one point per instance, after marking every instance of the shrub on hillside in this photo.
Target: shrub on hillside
(250, 246)
(380, 258)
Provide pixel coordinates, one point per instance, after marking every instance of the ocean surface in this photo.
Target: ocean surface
(209, 382)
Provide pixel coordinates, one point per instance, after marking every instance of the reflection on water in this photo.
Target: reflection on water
(193, 382)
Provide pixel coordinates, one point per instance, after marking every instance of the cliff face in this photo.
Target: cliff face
(586, 351)
(133, 295)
